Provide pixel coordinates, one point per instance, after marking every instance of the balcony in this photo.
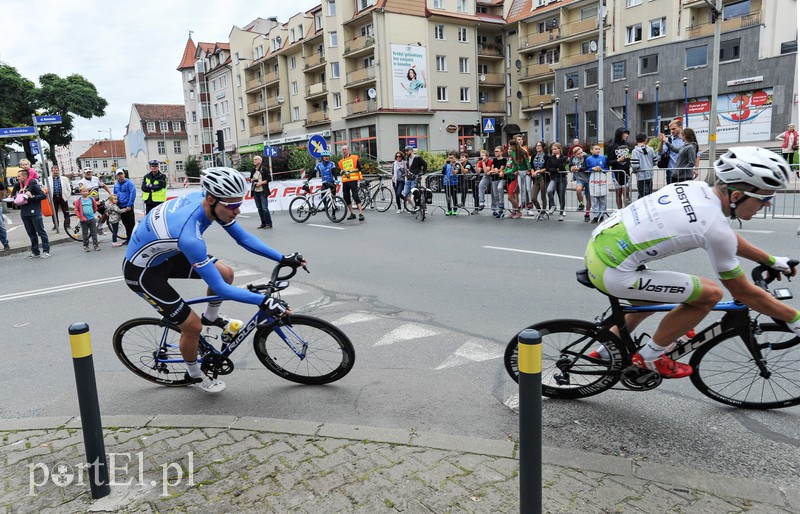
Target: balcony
(271, 77)
(536, 102)
(358, 46)
(491, 80)
(314, 61)
(538, 39)
(361, 107)
(536, 72)
(316, 89)
(492, 107)
(575, 59)
(577, 28)
(490, 51)
(253, 84)
(275, 127)
(258, 130)
(317, 117)
(360, 76)
(255, 107)
(272, 103)
(707, 29)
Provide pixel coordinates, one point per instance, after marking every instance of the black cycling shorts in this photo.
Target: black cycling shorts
(350, 192)
(152, 285)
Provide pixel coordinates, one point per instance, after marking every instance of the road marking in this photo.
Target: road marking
(405, 332)
(356, 317)
(244, 272)
(475, 350)
(325, 226)
(752, 231)
(531, 251)
(57, 289)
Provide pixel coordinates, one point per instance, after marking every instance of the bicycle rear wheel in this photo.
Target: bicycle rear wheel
(328, 355)
(300, 209)
(137, 343)
(382, 199)
(567, 370)
(336, 210)
(73, 230)
(725, 371)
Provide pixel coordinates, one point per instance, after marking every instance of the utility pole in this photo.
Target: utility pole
(601, 18)
(716, 19)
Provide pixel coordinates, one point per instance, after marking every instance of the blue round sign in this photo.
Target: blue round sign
(316, 145)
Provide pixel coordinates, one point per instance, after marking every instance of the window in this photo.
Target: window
(462, 35)
(191, 94)
(331, 7)
(508, 56)
(463, 64)
(441, 93)
(586, 47)
(633, 34)
(292, 62)
(163, 167)
(241, 124)
(164, 126)
(176, 126)
(571, 80)
(648, 64)
(176, 146)
(736, 10)
(464, 94)
(334, 39)
(318, 22)
(367, 30)
(300, 32)
(483, 69)
(441, 63)
(151, 126)
(461, 5)
(633, 3)
(589, 12)
(178, 165)
(238, 80)
(438, 32)
(729, 50)
(95, 164)
(335, 70)
(105, 163)
(292, 37)
(293, 88)
(241, 103)
(337, 100)
(295, 113)
(368, 62)
(546, 88)
(438, 4)
(418, 131)
(590, 77)
(196, 140)
(697, 56)
(618, 70)
(194, 116)
(363, 141)
(658, 28)
(363, 4)
(338, 141)
(162, 149)
(226, 134)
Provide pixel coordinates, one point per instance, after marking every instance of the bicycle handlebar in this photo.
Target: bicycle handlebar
(276, 277)
(760, 280)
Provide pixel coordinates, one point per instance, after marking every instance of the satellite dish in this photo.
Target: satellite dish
(280, 99)
(518, 64)
(482, 78)
(372, 93)
(593, 45)
(519, 95)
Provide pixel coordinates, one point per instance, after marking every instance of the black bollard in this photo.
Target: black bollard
(83, 363)
(529, 351)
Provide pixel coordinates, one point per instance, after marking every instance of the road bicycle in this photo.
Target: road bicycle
(298, 348)
(418, 199)
(323, 200)
(73, 228)
(379, 197)
(737, 360)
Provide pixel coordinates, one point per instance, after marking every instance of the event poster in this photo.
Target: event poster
(741, 117)
(409, 80)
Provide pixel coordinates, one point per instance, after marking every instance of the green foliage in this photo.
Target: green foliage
(246, 165)
(191, 167)
(17, 93)
(435, 160)
(299, 158)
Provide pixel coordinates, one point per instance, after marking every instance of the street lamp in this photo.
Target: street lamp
(577, 125)
(658, 85)
(557, 115)
(685, 102)
(541, 119)
(626, 105)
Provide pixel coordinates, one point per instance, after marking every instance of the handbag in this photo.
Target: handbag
(20, 199)
(663, 160)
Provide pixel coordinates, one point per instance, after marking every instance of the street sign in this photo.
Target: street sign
(411, 141)
(316, 145)
(17, 131)
(488, 125)
(48, 120)
(270, 151)
(34, 147)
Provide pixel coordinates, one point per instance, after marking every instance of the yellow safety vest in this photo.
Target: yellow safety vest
(154, 196)
(349, 167)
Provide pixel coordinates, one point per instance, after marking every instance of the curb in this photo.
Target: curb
(671, 476)
(27, 248)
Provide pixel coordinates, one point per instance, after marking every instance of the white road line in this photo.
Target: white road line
(355, 317)
(475, 350)
(536, 253)
(244, 272)
(752, 231)
(66, 287)
(405, 332)
(325, 226)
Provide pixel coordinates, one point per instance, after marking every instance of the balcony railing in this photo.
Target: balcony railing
(492, 107)
(255, 106)
(258, 130)
(575, 59)
(359, 43)
(270, 77)
(315, 59)
(317, 88)
(275, 127)
(361, 107)
(578, 27)
(360, 75)
(707, 29)
(536, 101)
(314, 117)
(253, 83)
(533, 71)
(539, 38)
(492, 79)
(490, 51)
(272, 102)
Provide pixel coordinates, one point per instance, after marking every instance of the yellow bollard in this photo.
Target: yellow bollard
(529, 353)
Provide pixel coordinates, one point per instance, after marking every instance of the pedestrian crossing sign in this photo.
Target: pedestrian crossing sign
(488, 125)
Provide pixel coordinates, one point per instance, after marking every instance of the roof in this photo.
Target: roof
(522, 9)
(491, 18)
(105, 149)
(160, 112)
(188, 59)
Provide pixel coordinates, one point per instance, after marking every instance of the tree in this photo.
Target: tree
(191, 167)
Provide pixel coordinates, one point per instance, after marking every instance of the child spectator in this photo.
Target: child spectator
(113, 217)
(85, 209)
(642, 161)
(577, 165)
(498, 182)
(467, 178)
(597, 165)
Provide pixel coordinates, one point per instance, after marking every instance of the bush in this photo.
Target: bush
(191, 167)
(435, 161)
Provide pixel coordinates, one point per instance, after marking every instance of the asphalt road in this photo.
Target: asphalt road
(429, 307)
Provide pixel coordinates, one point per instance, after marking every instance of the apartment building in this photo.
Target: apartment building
(103, 157)
(156, 131)
(67, 156)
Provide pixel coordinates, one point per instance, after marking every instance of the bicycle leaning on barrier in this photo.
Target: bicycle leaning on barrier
(418, 199)
(308, 204)
(379, 197)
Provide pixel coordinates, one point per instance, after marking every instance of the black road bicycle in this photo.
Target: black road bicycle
(323, 200)
(379, 197)
(737, 360)
(418, 199)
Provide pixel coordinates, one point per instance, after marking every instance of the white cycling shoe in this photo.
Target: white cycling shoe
(208, 384)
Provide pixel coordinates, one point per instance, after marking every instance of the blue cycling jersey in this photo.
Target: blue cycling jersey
(325, 170)
(177, 226)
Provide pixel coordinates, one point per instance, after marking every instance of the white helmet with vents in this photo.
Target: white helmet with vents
(224, 182)
(752, 165)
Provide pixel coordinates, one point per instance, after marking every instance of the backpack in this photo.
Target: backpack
(663, 159)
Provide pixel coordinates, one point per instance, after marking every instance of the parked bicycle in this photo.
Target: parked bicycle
(299, 348)
(379, 197)
(323, 200)
(418, 199)
(73, 229)
(738, 360)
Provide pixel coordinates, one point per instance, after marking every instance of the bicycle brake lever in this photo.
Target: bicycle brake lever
(306, 269)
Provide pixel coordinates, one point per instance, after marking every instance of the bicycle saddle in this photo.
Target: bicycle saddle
(583, 277)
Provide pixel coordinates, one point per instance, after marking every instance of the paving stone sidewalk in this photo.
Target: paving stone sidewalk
(228, 464)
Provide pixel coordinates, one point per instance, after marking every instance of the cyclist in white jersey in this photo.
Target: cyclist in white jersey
(678, 218)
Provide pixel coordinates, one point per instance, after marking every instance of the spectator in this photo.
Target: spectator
(466, 181)
(3, 233)
(350, 165)
(86, 210)
(577, 165)
(642, 161)
(93, 184)
(686, 160)
(540, 179)
(450, 183)
(60, 191)
(114, 214)
(518, 165)
(126, 194)
(618, 154)
(399, 170)
(154, 187)
(790, 143)
(31, 211)
(483, 167)
(417, 167)
(556, 165)
(524, 182)
(498, 182)
(575, 145)
(597, 165)
(674, 139)
(259, 184)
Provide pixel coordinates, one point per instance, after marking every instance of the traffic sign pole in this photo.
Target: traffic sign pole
(45, 172)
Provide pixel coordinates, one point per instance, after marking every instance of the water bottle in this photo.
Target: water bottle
(231, 329)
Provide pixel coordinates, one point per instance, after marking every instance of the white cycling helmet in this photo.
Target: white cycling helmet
(223, 183)
(752, 165)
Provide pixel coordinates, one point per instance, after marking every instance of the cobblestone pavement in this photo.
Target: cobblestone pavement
(228, 464)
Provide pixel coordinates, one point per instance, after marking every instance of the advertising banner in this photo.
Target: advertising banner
(280, 194)
(409, 82)
(741, 117)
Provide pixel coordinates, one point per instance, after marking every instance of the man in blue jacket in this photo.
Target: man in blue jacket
(126, 196)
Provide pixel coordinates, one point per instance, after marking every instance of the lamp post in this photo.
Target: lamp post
(557, 115)
(685, 102)
(541, 119)
(577, 125)
(626, 105)
(658, 85)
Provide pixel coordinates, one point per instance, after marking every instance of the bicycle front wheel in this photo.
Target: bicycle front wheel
(325, 352)
(73, 228)
(382, 199)
(336, 209)
(567, 370)
(300, 209)
(150, 347)
(725, 371)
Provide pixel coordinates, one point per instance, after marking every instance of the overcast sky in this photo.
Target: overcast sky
(129, 50)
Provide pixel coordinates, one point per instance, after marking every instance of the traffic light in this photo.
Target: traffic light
(220, 141)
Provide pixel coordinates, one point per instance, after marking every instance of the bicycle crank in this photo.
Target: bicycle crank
(638, 379)
(216, 365)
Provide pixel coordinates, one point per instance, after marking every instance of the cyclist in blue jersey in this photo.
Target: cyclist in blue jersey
(169, 243)
(327, 171)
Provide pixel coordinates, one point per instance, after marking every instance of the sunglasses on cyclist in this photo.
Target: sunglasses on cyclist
(761, 198)
(231, 206)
